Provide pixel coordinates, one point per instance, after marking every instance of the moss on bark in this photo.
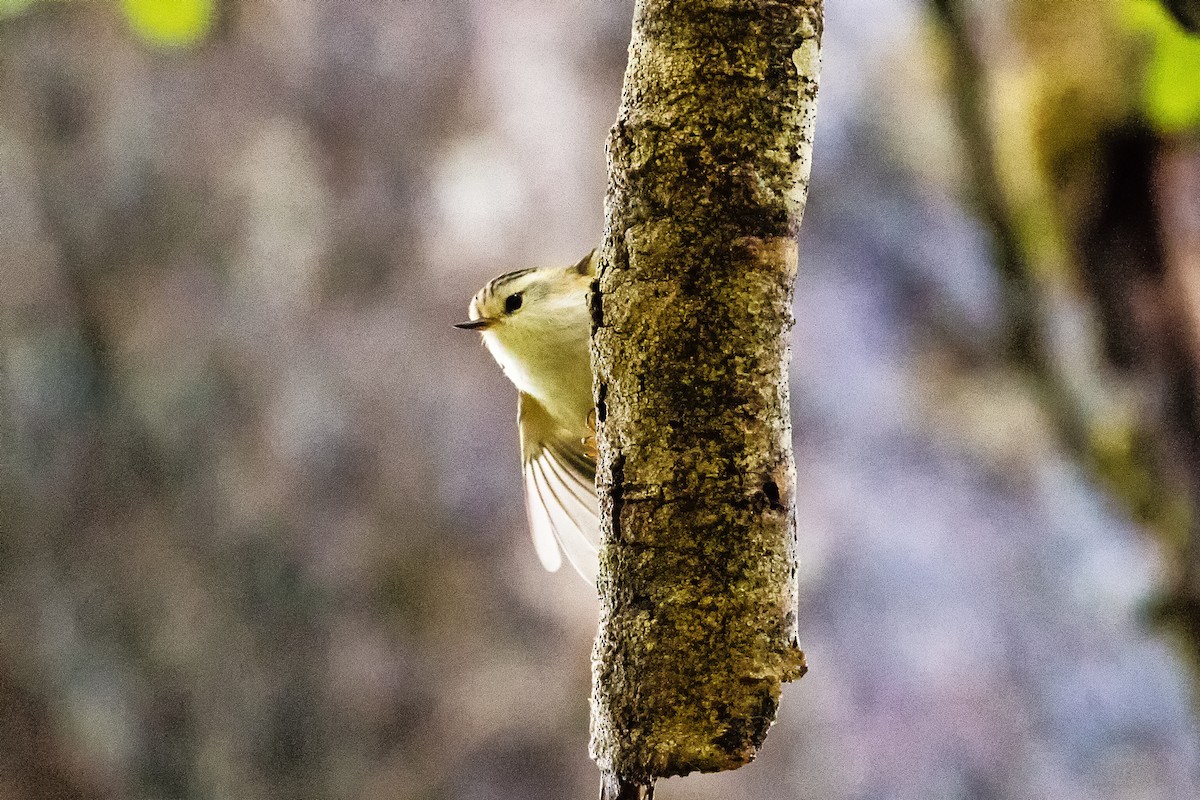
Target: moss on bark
(709, 163)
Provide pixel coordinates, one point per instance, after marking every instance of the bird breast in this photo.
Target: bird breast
(553, 366)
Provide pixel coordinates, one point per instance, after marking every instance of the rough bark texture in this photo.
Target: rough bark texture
(708, 166)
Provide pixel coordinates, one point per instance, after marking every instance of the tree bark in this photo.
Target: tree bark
(708, 176)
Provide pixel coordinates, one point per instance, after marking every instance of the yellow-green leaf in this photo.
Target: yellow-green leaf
(170, 22)
(1171, 82)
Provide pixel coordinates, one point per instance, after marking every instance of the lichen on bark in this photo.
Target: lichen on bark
(708, 175)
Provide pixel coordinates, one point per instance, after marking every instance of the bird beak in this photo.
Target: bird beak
(481, 324)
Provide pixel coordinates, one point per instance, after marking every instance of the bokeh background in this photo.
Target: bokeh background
(261, 530)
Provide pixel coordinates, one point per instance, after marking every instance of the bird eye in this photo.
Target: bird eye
(512, 302)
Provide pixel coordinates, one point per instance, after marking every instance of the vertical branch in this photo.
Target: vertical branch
(708, 176)
(1177, 184)
(1023, 341)
(1133, 250)
(1022, 301)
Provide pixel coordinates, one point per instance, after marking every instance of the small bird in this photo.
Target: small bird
(536, 324)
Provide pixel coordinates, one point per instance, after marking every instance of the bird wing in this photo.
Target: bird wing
(560, 490)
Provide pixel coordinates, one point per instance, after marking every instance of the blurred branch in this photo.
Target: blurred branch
(1176, 179)
(1187, 12)
(691, 312)
(1023, 341)
(1151, 467)
(1022, 300)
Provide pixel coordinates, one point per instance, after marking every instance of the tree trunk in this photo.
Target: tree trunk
(708, 175)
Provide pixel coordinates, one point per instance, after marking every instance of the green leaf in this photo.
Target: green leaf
(1171, 81)
(170, 22)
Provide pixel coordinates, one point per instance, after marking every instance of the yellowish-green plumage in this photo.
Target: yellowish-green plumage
(536, 325)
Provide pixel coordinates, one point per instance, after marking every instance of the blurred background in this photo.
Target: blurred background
(261, 524)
